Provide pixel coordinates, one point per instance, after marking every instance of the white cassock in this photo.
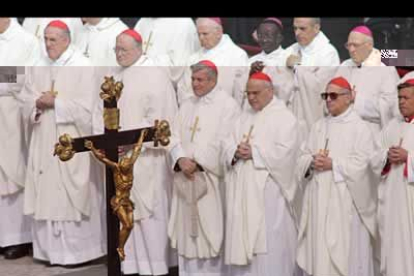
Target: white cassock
(15, 228)
(376, 91)
(200, 127)
(143, 101)
(338, 209)
(275, 67)
(233, 69)
(98, 42)
(260, 229)
(18, 47)
(60, 196)
(396, 200)
(169, 41)
(37, 26)
(319, 62)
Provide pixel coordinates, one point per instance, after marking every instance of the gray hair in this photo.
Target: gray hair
(212, 74)
(316, 20)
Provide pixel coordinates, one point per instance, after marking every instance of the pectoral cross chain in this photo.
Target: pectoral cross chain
(194, 128)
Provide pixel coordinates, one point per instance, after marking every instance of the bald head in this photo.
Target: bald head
(209, 32)
(128, 50)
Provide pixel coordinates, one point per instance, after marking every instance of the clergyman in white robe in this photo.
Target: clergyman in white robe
(169, 41)
(260, 227)
(230, 59)
(97, 42)
(338, 222)
(374, 84)
(60, 196)
(17, 46)
(199, 128)
(148, 95)
(318, 63)
(395, 191)
(15, 228)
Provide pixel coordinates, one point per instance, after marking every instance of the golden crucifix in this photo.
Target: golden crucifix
(194, 128)
(148, 43)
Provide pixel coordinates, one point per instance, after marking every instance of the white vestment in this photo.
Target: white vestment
(169, 41)
(338, 209)
(233, 70)
(97, 42)
(15, 227)
(275, 67)
(64, 203)
(260, 228)
(376, 91)
(148, 95)
(396, 201)
(199, 128)
(18, 47)
(319, 61)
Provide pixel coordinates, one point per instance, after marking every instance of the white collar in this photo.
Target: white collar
(10, 32)
(319, 40)
(64, 57)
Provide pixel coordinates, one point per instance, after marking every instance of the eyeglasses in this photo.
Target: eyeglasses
(332, 95)
(355, 45)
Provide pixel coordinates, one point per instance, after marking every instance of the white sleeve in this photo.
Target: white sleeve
(176, 153)
(257, 159)
(410, 167)
(337, 172)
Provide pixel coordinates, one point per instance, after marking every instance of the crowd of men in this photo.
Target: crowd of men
(287, 163)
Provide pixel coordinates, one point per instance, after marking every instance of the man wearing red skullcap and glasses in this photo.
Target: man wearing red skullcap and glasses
(260, 190)
(395, 162)
(373, 83)
(196, 223)
(338, 218)
(62, 197)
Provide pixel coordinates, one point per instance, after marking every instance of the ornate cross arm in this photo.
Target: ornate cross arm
(159, 134)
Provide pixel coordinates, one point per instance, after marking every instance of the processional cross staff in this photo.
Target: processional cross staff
(119, 175)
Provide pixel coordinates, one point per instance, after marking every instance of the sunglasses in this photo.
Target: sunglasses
(332, 95)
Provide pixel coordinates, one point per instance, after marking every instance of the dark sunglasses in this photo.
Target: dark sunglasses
(332, 95)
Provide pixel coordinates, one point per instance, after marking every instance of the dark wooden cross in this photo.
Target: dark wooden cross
(110, 141)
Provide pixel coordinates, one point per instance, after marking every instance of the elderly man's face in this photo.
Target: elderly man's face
(56, 42)
(269, 37)
(359, 47)
(127, 50)
(305, 30)
(341, 103)
(202, 82)
(259, 94)
(208, 34)
(406, 101)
